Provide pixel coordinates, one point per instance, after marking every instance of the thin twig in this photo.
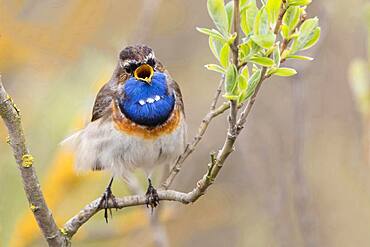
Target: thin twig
(235, 58)
(191, 147)
(11, 116)
(217, 95)
(198, 137)
(243, 116)
(279, 21)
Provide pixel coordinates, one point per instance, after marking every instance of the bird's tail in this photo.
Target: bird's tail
(71, 141)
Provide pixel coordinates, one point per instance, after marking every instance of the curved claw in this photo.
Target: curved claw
(108, 195)
(152, 198)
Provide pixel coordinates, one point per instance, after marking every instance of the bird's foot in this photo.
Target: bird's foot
(152, 198)
(108, 195)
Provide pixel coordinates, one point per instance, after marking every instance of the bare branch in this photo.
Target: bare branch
(198, 137)
(11, 116)
(235, 55)
(243, 116)
(217, 95)
(71, 227)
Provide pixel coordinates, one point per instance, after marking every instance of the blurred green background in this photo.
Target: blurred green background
(299, 176)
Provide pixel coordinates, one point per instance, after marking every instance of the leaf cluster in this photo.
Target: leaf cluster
(273, 31)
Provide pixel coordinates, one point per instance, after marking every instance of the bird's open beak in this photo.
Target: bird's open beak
(144, 73)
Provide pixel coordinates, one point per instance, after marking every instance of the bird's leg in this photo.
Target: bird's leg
(105, 199)
(152, 198)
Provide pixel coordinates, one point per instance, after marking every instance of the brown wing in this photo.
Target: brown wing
(172, 85)
(102, 102)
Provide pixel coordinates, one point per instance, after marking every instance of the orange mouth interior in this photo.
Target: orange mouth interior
(144, 73)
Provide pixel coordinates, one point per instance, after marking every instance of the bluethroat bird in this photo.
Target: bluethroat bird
(138, 121)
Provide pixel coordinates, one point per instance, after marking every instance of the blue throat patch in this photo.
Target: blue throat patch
(145, 104)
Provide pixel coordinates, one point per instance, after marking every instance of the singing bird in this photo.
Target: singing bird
(138, 121)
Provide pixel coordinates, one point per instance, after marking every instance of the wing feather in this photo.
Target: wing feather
(172, 85)
(103, 102)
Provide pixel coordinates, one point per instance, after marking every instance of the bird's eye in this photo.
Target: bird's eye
(130, 68)
(151, 62)
(127, 68)
(133, 66)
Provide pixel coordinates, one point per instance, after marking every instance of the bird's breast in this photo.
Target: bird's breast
(146, 104)
(129, 127)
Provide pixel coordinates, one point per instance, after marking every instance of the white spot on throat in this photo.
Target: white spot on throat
(149, 100)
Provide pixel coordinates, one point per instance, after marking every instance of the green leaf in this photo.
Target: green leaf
(215, 45)
(216, 68)
(229, 11)
(290, 20)
(242, 97)
(254, 68)
(252, 83)
(273, 10)
(230, 79)
(217, 12)
(308, 35)
(261, 25)
(294, 36)
(285, 31)
(264, 61)
(211, 32)
(247, 17)
(299, 2)
(224, 55)
(244, 50)
(245, 72)
(231, 38)
(300, 57)
(284, 72)
(243, 4)
(264, 40)
(242, 83)
(255, 48)
(276, 56)
(314, 38)
(230, 96)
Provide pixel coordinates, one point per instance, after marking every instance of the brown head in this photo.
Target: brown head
(138, 61)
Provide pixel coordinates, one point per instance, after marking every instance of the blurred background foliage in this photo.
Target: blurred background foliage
(299, 176)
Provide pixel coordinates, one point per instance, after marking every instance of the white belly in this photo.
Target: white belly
(101, 146)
